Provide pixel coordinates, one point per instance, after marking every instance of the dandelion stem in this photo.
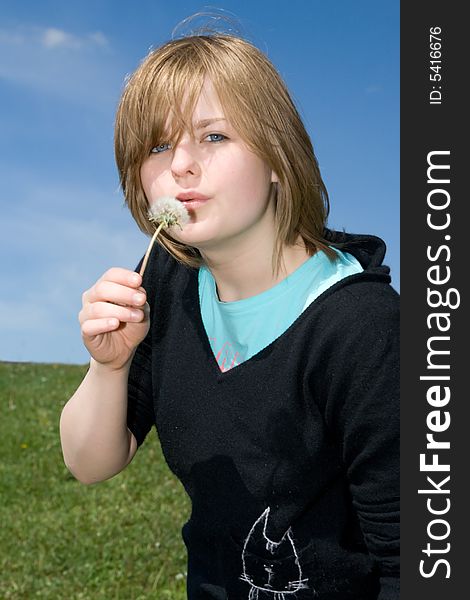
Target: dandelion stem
(149, 249)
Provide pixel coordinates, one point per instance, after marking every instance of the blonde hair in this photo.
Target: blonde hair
(257, 104)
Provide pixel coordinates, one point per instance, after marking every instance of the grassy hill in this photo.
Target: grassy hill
(119, 539)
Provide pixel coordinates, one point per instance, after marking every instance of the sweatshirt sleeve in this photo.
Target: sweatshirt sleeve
(142, 384)
(363, 411)
(140, 411)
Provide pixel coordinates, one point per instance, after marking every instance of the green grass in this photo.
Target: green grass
(120, 539)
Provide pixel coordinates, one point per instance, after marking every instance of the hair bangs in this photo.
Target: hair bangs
(167, 103)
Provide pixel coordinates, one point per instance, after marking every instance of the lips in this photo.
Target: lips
(192, 200)
(189, 196)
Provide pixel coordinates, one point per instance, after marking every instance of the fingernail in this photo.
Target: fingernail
(138, 298)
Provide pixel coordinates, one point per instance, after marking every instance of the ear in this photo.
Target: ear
(274, 177)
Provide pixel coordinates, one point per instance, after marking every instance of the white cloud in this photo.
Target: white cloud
(54, 38)
(48, 60)
(51, 37)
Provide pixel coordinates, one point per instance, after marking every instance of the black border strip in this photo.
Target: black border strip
(433, 261)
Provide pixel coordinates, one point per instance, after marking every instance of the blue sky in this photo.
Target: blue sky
(62, 68)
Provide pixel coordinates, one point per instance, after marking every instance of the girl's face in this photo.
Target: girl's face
(225, 186)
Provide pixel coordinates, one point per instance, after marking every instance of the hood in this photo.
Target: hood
(368, 249)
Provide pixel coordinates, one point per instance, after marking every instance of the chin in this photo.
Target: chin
(197, 236)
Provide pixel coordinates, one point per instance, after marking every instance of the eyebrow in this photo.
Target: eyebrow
(206, 122)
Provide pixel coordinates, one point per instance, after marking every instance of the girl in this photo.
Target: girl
(263, 346)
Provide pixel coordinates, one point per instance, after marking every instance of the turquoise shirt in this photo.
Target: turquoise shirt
(239, 330)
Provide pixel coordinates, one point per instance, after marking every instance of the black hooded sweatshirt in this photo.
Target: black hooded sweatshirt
(290, 459)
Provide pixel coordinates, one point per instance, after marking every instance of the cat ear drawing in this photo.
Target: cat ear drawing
(279, 575)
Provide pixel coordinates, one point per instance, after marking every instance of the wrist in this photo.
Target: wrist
(108, 370)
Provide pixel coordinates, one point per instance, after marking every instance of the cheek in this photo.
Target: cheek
(152, 179)
(256, 173)
(145, 178)
(255, 186)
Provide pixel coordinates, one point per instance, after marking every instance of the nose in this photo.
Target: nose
(184, 161)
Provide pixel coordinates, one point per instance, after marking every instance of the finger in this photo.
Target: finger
(94, 327)
(124, 277)
(146, 309)
(106, 310)
(109, 291)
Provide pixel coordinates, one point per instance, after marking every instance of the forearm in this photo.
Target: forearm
(96, 443)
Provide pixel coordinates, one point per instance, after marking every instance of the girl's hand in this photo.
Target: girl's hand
(114, 318)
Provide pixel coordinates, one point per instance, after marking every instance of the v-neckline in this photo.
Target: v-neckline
(195, 306)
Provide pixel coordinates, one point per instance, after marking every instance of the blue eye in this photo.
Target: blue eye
(160, 148)
(216, 137)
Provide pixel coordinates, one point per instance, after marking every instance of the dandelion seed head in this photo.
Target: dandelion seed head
(169, 211)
